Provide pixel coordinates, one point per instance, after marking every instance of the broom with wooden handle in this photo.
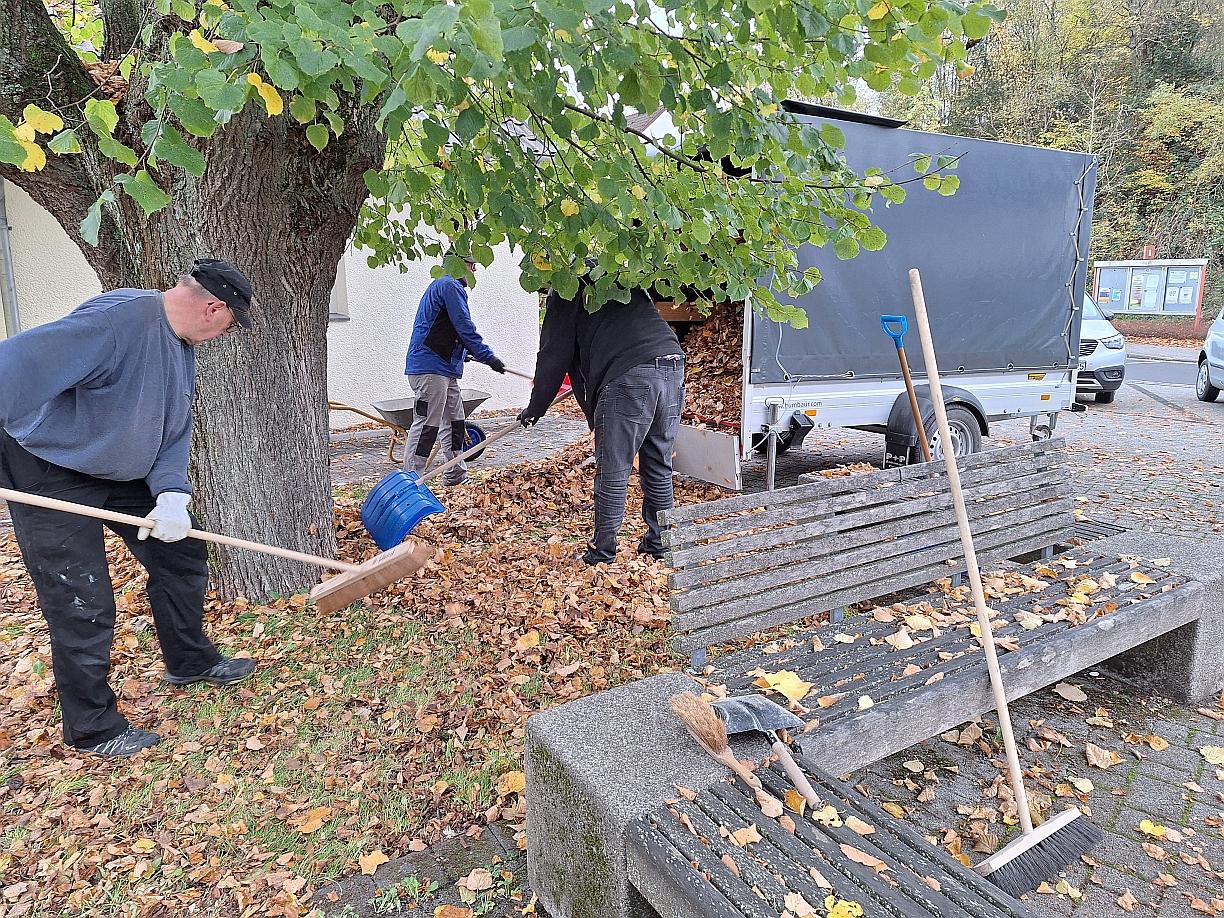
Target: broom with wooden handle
(1039, 854)
(356, 582)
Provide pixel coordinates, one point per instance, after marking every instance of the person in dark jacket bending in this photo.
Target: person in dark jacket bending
(95, 408)
(627, 369)
(443, 335)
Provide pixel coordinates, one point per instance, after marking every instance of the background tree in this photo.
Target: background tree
(256, 130)
(1140, 83)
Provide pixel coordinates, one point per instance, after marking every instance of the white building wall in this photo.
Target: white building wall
(365, 354)
(52, 275)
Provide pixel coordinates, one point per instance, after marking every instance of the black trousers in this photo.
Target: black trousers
(65, 555)
(638, 414)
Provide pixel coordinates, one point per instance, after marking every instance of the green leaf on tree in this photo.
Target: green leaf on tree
(975, 25)
(440, 19)
(195, 117)
(846, 248)
(172, 148)
(318, 136)
(65, 142)
(144, 191)
(93, 217)
(948, 185)
(872, 238)
(101, 116)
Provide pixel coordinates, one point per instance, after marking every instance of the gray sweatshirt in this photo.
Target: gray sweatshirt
(106, 390)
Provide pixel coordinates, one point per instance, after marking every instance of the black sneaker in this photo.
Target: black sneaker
(227, 672)
(125, 745)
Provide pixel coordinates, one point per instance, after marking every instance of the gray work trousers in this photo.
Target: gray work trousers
(437, 416)
(638, 414)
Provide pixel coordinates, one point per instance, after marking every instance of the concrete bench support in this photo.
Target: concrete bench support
(593, 766)
(1186, 664)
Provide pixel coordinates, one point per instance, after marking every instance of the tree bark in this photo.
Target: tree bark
(283, 213)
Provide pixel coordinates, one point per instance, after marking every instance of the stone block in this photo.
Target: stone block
(1187, 663)
(593, 766)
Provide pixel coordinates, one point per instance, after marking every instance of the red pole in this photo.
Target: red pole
(1198, 309)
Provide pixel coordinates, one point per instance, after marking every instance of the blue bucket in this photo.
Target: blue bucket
(396, 505)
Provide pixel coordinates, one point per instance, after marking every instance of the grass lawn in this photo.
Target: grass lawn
(367, 733)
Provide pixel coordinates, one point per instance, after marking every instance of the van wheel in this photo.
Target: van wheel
(1203, 388)
(1105, 398)
(966, 436)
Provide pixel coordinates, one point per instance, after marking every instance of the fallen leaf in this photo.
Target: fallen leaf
(729, 863)
(452, 911)
(798, 905)
(862, 857)
(1127, 901)
(827, 816)
(1101, 758)
(527, 641)
(859, 826)
(1151, 829)
(795, 801)
(1155, 852)
(826, 701)
(745, 836)
(1164, 879)
(1070, 692)
(1083, 785)
(865, 702)
(1213, 754)
(842, 638)
(913, 765)
(512, 782)
(478, 880)
(785, 683)
(372, 861)
(1141, 578)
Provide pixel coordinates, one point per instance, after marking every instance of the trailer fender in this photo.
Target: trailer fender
(902, 435)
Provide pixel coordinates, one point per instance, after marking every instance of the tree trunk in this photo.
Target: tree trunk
(283, 213)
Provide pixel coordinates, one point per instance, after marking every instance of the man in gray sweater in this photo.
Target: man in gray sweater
(95, 408)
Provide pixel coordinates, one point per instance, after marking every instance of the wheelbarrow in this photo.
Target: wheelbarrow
(397, 413)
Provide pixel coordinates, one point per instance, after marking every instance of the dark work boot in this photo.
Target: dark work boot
(227, 672)
(125, 745)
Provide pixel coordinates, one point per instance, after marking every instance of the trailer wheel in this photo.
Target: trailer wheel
(966, 436)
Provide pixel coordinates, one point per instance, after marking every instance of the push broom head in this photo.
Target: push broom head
(701, 721)
(378, 573)
(1020, 867)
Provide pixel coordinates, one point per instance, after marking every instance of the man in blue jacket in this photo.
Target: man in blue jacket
(442, 337)
(95, 409)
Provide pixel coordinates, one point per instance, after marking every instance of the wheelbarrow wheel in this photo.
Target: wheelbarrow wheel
(475, 436)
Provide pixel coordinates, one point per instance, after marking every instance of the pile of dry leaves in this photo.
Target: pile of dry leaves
(714, 369)
(364, 734)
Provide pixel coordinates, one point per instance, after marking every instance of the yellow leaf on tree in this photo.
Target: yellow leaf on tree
(786, 683)
(879, 11)
(271, 98)
(438, 57)
(638, 192)
(372, 861)
(201, 42)
(36, 157)
(570, 207)
(41, 122)
(541, 262)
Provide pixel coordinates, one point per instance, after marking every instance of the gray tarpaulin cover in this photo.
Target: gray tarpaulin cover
(996, 260)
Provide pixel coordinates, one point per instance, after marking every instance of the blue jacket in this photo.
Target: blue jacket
(444, 333)
(106, 390)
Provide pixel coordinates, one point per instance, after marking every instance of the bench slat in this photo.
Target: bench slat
(864, 737)
(695, 533)
(654, 861)
(794, 543)
(867, 658)
(932, 560)
(1060, 530)
(863, 549)
(817, 487)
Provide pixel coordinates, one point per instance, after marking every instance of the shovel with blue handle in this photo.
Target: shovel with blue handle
(896, 327)
(399, 502)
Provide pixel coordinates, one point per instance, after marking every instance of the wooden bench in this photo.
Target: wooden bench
(601, 838)
(758, 561)
(682, 857)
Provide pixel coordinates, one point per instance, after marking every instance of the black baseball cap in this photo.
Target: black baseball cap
(224, 281)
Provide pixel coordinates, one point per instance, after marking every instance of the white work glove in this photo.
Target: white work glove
(170, 518)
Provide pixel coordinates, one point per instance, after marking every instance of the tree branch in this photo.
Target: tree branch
(38, 66)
